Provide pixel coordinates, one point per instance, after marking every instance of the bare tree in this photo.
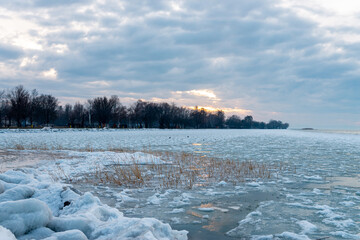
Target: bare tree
(33, 105)
(78, 114)
(47, 108)
(19, 99)
(103, 109)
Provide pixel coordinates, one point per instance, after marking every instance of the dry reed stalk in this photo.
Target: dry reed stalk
(180, 170)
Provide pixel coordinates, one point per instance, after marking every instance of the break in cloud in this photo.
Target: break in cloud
(282, 59)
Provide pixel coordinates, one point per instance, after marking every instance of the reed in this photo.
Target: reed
(180, 170)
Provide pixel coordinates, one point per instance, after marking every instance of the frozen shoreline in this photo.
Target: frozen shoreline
(316, 198)
(32, 206)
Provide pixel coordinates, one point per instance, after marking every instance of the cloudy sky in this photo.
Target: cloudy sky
(297, 61)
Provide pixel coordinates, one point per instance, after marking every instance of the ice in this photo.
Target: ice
(39, 233)
(15, 177)
(293, 236)
(253, 184)
(315, 177)
(264, 237)
(340, 224)
(17, 193)
(24, 215)
(155, 200)
(182, 201)
(206, 209)
(307, 227)
(2, 188)
(5, 234)
(222, 183)
(177, 210)
(235, 207)
(347, 203)
(345, 235)
(68, 235)
(123, 197)
(318, 182)
(84, 217)
(71, 223)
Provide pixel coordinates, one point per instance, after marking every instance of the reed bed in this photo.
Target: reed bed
(180, 170)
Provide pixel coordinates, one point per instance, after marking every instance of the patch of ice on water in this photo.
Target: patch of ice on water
(293, 236)
(253, 184)
(235, 207)
(340, 223)
(204, 209)
(346, 235)
(123, 197)
(181, 201)
(222, 184)
(177, 210)
(245, 224)
(157, 198)
(307, 227)
(315, 177)
(347, 203)
(175, 220)
(287, 180)
(317, 191)
(224, 210)
(87, 162)
(263, 237)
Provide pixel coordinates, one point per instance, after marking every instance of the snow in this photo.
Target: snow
(204, 209)
(307, 227)
(17, 193)
(293, 236)
(2, 188)
(314, 196)
(5, 234)
(177, 210)
(24, 215)
(345, 235)
(253, 184)
(222, 183)
(36, 210)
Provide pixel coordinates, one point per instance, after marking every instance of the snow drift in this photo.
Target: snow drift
(33, 207)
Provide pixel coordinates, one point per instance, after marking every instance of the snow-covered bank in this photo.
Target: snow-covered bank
(33, 207)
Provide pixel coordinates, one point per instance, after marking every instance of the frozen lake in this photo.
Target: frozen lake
(316, 197)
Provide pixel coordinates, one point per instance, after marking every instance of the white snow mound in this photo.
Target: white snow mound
(24, 215)
(5, 234)
(32, 207)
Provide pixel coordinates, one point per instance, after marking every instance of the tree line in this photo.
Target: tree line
(23, 108)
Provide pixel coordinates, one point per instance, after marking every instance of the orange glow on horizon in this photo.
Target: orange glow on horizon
(227, 111)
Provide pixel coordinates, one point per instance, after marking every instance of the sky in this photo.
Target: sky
(289, 60)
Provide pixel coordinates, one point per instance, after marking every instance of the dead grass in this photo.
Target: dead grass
(181, 170)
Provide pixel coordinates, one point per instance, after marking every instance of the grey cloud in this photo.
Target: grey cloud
(8, 52)
(270, 55)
